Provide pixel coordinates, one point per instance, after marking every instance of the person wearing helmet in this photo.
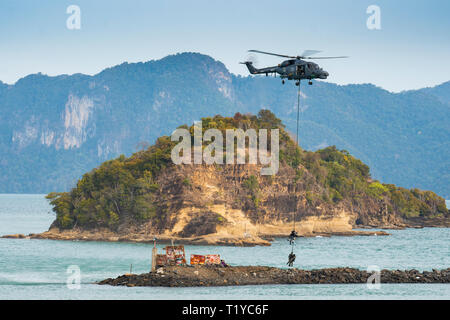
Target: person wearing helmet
(292, 237)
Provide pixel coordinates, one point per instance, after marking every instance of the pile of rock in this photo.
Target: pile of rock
(190, 276)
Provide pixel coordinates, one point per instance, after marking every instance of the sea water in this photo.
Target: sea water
(40, 269)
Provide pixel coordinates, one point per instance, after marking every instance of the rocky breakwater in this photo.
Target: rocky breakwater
(196, 276)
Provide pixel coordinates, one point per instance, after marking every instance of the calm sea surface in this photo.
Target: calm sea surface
(37, 269)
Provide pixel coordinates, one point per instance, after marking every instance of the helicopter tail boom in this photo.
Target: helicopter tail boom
(254, 70)
(250, 67)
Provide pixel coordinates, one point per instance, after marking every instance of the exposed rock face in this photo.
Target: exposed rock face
(76, 117)
(221, 191)
(73, 129)
(209, 205)
(201, 276)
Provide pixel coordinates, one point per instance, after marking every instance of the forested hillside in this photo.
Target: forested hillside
(53, 129)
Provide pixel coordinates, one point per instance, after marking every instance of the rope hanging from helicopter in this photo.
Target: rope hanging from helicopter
(296, 140)
(293, 235)
(303, 70)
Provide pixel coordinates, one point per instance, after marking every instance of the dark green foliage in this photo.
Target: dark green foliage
(414, 202)
(252, 186)
(186, 182)
(377, 190)
(117, 190)
(63, 207)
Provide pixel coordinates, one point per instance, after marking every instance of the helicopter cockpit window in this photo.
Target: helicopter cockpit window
(287, 63)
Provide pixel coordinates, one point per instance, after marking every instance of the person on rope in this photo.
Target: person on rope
(291, 259)
(292, 237)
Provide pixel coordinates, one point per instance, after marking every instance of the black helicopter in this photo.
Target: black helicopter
(295, 68)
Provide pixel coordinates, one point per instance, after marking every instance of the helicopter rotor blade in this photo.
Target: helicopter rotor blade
(272, 54)
(341, 57)
(307, 53)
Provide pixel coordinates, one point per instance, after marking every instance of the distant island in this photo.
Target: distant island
(76, 122)
(327, 192)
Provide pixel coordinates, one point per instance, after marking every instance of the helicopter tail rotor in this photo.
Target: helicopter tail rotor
(250, 67)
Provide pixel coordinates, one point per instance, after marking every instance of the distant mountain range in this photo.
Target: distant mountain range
(53, 129)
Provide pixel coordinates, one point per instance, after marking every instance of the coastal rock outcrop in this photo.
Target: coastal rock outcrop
(204, 276)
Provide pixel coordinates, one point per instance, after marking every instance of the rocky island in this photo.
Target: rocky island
(195, 276)
(326, 192)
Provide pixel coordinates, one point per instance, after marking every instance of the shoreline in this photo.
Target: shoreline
(221, 239)
(217, 240)
(206, 276)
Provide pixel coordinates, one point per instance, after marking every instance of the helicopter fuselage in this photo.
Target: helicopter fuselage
(293, 69)
(297, 69)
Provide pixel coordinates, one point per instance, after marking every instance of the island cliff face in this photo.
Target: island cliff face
(327, 192)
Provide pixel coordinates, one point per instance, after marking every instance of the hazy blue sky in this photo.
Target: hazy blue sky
(412, 49)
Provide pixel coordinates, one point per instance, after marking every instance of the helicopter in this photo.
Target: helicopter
(293, 69)
(296, 68)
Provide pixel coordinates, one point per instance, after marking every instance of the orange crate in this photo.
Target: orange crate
(197, 259)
